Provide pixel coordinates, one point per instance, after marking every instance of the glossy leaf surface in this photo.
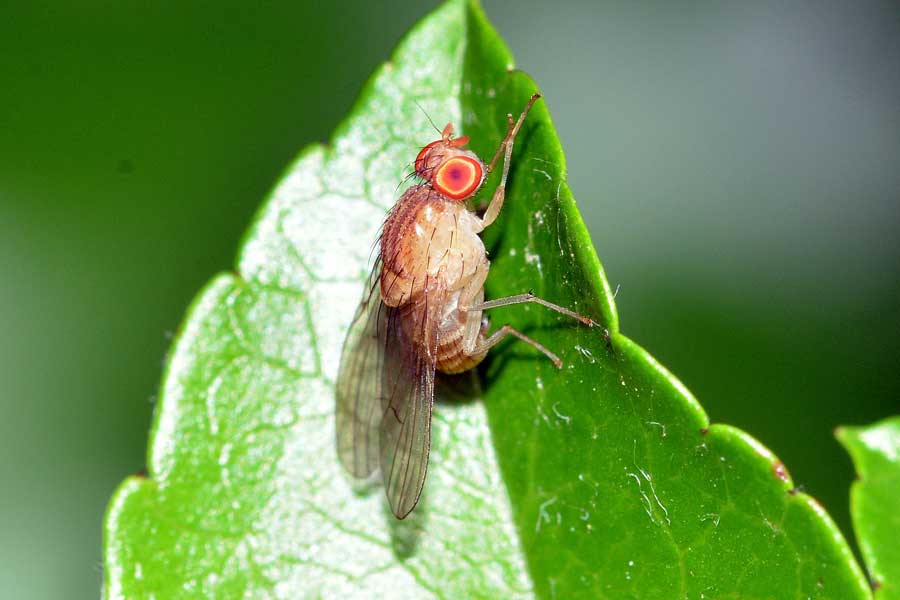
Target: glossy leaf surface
(603, 479)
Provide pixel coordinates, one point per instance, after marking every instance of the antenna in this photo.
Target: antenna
(427, 117)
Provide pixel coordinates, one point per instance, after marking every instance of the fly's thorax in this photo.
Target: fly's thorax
(399, 266)
(454, 251)
(428, 241)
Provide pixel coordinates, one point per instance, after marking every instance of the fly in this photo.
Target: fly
(421, 312)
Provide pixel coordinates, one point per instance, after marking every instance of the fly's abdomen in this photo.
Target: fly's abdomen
(451, 355)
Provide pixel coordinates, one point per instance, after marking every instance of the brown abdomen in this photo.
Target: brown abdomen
(451, 356)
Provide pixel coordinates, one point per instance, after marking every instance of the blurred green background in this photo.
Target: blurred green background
(738, 165)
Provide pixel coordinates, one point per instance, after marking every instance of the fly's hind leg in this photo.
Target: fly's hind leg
(496, 337)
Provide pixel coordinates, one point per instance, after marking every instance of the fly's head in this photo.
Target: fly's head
(450, 169)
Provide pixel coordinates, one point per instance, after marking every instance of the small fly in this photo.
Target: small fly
(421, 312)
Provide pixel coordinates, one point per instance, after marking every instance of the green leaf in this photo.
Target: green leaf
(875, 500)
(600, 480)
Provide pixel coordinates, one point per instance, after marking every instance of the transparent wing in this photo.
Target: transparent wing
(358, 387)
(408, 395)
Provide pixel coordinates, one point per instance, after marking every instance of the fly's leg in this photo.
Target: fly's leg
(471, 294)
(529, 297)
(506, 148)
(471, 302)
(506, 330)
(490, 167)
(472, 347)
(510, 134)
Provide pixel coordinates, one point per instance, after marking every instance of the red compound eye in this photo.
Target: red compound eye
(459, 177)
(420, 159)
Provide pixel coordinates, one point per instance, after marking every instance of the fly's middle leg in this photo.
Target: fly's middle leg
(530, 297)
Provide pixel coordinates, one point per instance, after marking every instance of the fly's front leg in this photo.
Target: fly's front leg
(506, 148)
